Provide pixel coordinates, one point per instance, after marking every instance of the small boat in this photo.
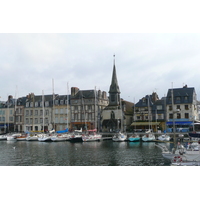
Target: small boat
(13, 137)
(60, 137)
(180, 161)
(32, 137)
(76, 136)
(164, 137)
(148, 137)
(119, 137)
(44, 138)
(133, 138)
(3, 137)
(21, 137)
(92, 135)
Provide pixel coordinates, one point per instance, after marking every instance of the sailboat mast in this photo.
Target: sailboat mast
(149, 112)
(53, 115)
(43, 109)
(172, 94)
(67, 102)
(95, 107)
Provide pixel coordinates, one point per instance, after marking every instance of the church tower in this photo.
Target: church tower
(114, 92)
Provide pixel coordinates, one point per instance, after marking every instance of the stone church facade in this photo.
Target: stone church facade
(119, 113)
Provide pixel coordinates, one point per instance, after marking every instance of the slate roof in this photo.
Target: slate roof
(181, 93)
(144, 101)
(85, 94)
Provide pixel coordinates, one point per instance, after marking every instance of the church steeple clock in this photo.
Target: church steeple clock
(114, 92)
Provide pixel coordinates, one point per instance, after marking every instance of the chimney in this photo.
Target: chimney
(74, 91)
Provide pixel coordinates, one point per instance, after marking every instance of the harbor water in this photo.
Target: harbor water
(102, 153)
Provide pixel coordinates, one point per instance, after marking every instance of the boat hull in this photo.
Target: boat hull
(133, 139)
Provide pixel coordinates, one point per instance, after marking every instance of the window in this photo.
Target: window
(187, 115)
(61, 102)
(170, 107)
(41, 112)
(56, 102)
(36, 112)
(178, 115)
(178, 107)
(186, 107)
(27, 104)
(61, 111)
(36, 104)
(112, 98)
(178, 99)
(36, 120)
(31, 104)
(89, 116)
(27, 121)
(159, 107)
(41, 120)
(170, 116)
(46, 103)
(186, 98)
(27, 112)
(46, 112)
(31, 112)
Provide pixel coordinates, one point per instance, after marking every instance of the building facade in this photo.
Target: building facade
(182, 108)
(86, 107)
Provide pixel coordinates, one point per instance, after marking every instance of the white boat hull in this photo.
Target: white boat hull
(3, 137)
(119, 137)
(44, 139)
(164, 138)
(148, 138)
(32, 138)
(91, 138)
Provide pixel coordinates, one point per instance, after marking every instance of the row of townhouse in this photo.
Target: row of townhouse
(81, 109)
(179, 109)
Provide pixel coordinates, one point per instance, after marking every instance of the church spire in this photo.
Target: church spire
(114, 87)
(114, 92)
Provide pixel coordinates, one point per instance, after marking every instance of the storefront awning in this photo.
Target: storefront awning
(180, 123)
(145, 123)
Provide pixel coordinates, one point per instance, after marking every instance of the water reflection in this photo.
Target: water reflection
(103, 153)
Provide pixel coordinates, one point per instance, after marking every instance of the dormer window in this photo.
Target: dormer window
(36, 104)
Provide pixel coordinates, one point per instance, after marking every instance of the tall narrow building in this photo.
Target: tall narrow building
(112, 115)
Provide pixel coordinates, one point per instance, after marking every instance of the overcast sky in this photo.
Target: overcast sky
(145, 62)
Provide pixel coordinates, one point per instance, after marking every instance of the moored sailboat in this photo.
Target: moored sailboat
(133, 138)
(92, 135)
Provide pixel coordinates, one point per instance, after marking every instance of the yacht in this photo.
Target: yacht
(148, 137)
(119, 137)
(92, 135)
(133, 138)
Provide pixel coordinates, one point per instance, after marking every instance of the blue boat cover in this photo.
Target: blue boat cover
(63, 131)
